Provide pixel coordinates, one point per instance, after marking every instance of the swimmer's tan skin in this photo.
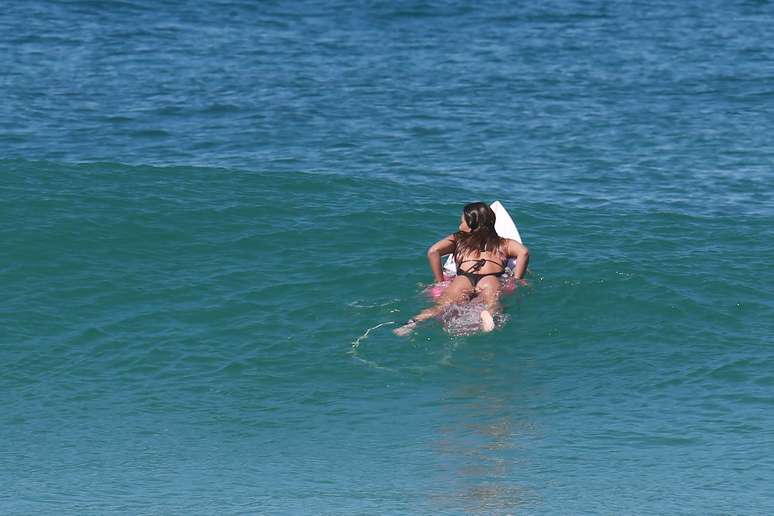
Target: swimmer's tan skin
(460, 288)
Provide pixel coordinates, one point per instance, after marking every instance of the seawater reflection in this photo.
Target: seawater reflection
(486, 444)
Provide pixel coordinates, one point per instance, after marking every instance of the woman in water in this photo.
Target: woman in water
(480, 255)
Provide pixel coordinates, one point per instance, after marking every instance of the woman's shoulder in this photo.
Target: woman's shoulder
(511, 246)
(505, 246)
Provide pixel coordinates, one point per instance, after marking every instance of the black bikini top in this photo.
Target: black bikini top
(478, 265)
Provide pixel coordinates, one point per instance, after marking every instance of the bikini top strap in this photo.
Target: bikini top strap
(479, 264)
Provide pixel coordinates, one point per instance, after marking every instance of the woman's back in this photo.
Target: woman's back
(481, 262)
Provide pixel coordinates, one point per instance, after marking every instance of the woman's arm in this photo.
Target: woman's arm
(521, 253)
(434, 253)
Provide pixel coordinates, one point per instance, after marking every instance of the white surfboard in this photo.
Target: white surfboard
(504, 226)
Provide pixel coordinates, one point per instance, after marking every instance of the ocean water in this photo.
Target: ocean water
(212, 215)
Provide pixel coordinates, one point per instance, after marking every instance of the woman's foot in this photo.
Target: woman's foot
(406, 329)
(487, 321)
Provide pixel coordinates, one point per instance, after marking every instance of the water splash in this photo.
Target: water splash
(465, 319)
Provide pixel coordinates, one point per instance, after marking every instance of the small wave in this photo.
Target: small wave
(363, 304)
(150, 133)
(364, 336)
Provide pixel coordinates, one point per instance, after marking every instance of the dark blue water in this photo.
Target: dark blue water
(213, 214)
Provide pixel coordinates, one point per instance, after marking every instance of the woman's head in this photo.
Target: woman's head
(477, 216)
(477, 230)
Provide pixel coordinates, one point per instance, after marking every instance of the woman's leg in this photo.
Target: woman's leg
(459, 289)
(489, 290)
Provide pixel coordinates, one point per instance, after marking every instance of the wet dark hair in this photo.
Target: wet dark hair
(482, 236)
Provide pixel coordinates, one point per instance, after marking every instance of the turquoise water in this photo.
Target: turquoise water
(212, 214)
